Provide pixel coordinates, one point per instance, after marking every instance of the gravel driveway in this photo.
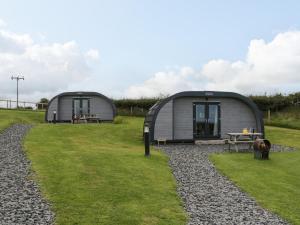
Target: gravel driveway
(20, 199)
(209, 197)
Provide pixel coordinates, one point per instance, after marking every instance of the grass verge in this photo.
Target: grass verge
(9, 117)
(287, 118)
(274, 183)
(97, 174)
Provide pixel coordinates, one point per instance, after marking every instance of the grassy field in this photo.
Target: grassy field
(275, 183)
(288, 118)
(9, 117)
(97, 174)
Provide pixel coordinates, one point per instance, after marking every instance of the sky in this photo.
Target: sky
(136, 48)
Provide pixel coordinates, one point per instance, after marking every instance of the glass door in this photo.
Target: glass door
(81, 106)
(206, 120)
(199, 120)
(212, 120)
(85, 107)
(76, 107)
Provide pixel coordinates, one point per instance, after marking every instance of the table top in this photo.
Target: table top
(245, 134)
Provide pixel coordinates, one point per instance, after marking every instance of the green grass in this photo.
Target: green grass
(274, 183)
(9, 117)
(97, 174)
(288, 118)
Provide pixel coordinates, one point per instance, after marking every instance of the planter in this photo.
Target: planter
(261, 149)
(261, 154)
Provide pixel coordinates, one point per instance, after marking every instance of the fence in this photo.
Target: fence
(12, 104)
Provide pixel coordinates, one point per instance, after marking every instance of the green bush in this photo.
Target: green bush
(276, 102)
(134, 107)
(118, 120)
(144, 103)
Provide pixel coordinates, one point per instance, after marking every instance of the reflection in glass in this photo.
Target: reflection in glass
(77, 107)
(206, 120)
(85, 107)
(213, 120)
(80, 107)
(200, 120)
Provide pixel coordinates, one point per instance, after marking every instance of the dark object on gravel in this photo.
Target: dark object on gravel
(20, 199)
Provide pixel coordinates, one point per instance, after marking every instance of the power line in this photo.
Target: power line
(17, 78)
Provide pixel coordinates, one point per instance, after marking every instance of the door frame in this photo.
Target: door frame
(80, 104)
(206, 106)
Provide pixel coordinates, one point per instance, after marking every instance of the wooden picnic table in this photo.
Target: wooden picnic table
(242, 138)
(86, 119)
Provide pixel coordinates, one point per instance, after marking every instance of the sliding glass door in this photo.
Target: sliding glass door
(81, 106)
(85, 106)
(206, 120)
(76, 107)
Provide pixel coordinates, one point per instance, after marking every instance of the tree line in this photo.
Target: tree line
(276, 102)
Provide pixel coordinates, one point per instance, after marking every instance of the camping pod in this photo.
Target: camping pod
(69, 105)
(201, 115)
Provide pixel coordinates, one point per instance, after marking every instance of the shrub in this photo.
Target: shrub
(134, 107)
(276, 102)
(118, 120)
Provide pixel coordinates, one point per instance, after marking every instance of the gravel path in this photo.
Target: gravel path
(209, 197)
(20, 199)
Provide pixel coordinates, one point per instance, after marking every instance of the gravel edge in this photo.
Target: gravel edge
(208, 196)
(21, 201)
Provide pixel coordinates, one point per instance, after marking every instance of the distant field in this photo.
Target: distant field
(97, 174)
(288, 118)
(274, 183)
(9, 117)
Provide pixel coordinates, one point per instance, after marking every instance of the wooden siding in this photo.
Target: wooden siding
(65, 108)
(183, 118)
(235, 115)
(164, 122)
(52, 107)
(101, 108)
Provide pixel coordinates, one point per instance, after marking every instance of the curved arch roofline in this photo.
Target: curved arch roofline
(82, 93)
(209, 94)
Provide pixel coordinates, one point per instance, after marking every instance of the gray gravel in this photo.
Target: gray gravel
(209, 197)
(20, 199)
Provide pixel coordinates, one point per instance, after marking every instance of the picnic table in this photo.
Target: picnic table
(86, 119)
(242, 138)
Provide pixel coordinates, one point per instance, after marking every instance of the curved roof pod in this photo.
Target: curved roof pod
(150, 118)
(81, 94)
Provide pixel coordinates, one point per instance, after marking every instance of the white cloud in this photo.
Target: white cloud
(268, 67)
(48, 67)
(92, 54)
(2, 23)
(14, 43)
(164, 83)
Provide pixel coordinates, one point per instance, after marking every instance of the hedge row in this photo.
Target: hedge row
(139, 107)
(143, 103)
(275, 102)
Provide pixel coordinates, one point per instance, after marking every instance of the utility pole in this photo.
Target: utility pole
(17, 78)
